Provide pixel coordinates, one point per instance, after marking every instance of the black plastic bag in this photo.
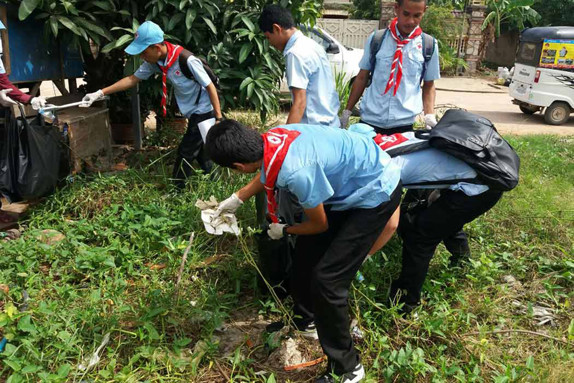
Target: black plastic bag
(30, 157)
(274, 263)
(474, 140)
(39, 153)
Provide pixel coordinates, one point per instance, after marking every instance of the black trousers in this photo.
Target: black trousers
(190, 149)
(457, 243)
(423, 231)
(324, 266)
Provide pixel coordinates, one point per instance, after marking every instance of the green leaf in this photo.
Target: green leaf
(189, 17)
(244, 52)
(182, 4)
(26, 8)
(54, 26)
(102, 5)
(69, 24)
(14, 365)
(210, 24)
(64, 370)
(248, 23)
(25, 324)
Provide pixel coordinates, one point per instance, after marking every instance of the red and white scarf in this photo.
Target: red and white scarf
(398, 59)
(276, 144)
(173, 52)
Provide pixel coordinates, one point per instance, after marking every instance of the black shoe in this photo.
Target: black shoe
(354, 376)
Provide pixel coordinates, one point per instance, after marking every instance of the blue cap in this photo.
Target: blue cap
(2, 26)
(147, 34)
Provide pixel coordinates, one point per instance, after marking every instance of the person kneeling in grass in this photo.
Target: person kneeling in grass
(348, 188)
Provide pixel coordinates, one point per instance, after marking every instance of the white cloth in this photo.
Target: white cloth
(215, 222)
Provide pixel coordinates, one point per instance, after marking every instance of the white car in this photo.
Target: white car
(343, 59)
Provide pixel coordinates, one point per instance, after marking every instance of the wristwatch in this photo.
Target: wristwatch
(285, 230)
(218, 119)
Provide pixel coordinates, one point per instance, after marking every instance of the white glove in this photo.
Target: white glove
(344, 119)
(430, 121)
(4, 99)
(229, 205)
(276, 230)
(38, 103)
(90, 98)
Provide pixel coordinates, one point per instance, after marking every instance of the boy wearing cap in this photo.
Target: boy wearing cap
(196, 98)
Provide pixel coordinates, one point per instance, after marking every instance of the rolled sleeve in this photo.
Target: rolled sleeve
(433, 67)
(145, 71)
(297, 73)
(310, 185)
(365, 62)
(196, 67)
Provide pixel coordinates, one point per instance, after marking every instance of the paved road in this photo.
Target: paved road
(481, 97)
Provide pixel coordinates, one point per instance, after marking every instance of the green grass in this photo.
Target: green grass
(125, 234)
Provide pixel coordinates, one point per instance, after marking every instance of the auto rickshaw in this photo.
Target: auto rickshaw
(543, 77)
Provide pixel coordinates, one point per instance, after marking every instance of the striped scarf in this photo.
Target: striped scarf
(276, 143)
(398, 59)
(173, 52)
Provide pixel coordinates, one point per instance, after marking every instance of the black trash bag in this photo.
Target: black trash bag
(39, 157)
(274, 263)
(474, 140)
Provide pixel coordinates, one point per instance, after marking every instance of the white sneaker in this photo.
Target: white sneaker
(309, 332)
(355, 376)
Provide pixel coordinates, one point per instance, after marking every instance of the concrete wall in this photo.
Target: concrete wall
(503, 50)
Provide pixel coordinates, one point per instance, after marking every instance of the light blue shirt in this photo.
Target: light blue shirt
(2, 70)
(336, 167)
(185, 89)
(385, 110)
(307, 67)
(432, 165)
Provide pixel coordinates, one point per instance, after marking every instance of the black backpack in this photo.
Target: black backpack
(183, 56)
(377, 42)
(474, 140)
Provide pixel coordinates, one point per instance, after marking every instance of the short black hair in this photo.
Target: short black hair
(400, 2)
(275, 14)
(229, 142)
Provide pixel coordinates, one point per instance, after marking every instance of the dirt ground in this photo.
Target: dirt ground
(481, 96)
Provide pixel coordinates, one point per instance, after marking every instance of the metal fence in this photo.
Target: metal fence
(352, 33)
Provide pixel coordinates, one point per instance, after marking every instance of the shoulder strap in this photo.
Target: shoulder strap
(375, 46)
(183, 56)
(428, 51)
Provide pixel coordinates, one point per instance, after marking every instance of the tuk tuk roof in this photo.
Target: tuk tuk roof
(540, 34)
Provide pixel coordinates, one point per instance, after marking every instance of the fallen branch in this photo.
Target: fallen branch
(183, 260)
(521, 332)
(306, 364)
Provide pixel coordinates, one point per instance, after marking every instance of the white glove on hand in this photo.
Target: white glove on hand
(344, 119)
(90, 98)
(229, 205)
(430, 121)
(276, 230)
(4, 99)
(38, 103)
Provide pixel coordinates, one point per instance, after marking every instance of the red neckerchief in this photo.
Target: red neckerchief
(398, 59)
(388, 141)
(276, 144)
(173, 52)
